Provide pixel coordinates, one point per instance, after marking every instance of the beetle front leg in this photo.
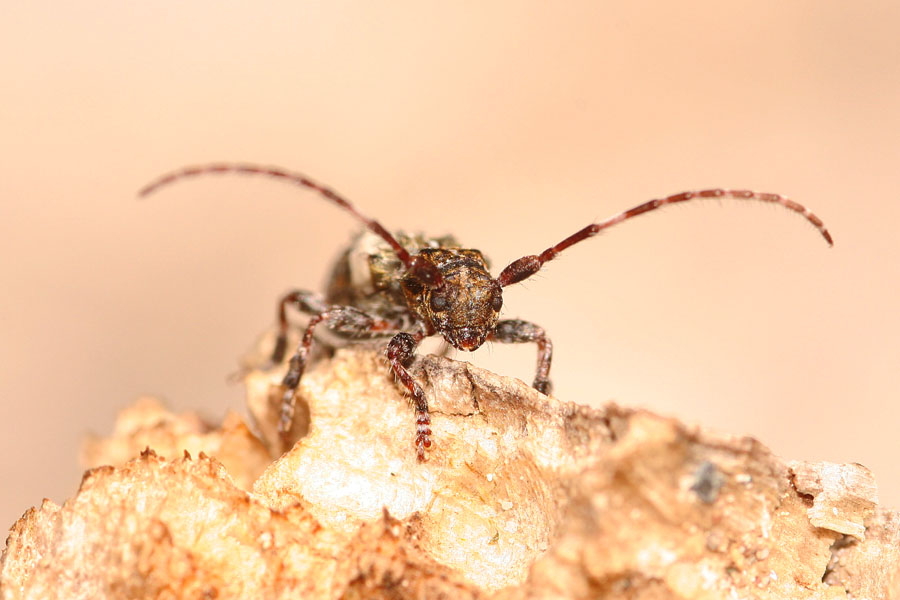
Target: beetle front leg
(400, 351)
(514, 331)
(345, 320)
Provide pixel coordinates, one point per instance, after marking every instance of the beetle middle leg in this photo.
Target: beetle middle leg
(515, 331)
(344, 320)
(310, 303)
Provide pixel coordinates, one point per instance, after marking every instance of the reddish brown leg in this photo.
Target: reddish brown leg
(310, 303)
(344, 320)
(514, 331)
(400, 352)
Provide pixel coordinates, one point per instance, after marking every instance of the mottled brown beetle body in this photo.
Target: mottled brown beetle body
(370, 277)
(412, 287)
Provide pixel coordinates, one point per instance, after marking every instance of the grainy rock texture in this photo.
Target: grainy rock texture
(522, 496)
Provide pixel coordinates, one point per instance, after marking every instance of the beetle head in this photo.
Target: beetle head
(464, 305)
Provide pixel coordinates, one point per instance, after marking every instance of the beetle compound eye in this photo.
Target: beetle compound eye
(497, 302)
(439, 303)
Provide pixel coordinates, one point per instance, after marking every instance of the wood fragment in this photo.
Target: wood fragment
(523, 496)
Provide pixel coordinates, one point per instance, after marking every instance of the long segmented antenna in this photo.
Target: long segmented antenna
(527, 266)
(297, 179)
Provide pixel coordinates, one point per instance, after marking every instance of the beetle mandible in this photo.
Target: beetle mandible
(429, 287)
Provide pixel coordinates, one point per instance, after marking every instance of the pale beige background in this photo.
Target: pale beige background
(511, 124)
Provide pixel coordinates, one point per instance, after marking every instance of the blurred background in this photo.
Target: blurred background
(509, 124)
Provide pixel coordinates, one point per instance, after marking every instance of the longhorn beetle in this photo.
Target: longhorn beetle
(415, 287)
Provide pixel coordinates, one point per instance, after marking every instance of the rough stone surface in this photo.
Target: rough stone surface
(522, 496)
